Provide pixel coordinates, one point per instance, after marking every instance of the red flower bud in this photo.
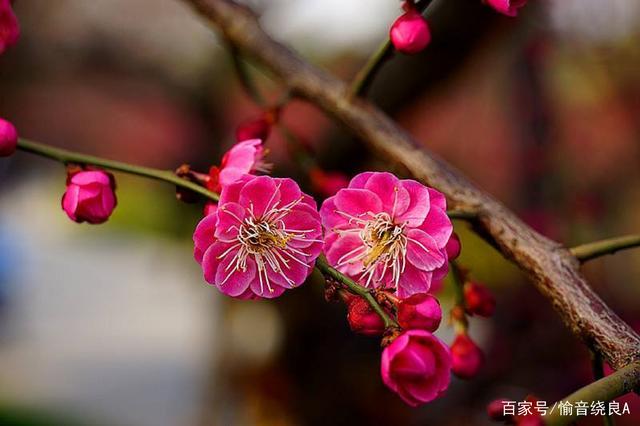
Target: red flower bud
(363, 319)
(466, 357)
(421, 311)
(453, 247)
(90, 196)
(478, 300)
(8, 138)
(410, 32)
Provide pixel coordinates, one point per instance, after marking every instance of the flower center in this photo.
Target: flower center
(259, 236)
(382, 237)
(384, 246)
(267, 240)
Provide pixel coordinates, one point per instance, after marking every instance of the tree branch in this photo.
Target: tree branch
(590, 251)
(619, 383)
(552, 268)
(64, 156)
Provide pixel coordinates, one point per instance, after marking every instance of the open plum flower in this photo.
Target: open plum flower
(263, 238)
(388, 233)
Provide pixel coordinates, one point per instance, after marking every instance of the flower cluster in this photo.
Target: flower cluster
(387, 240)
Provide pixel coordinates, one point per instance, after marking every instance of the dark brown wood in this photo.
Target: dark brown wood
(551, 267)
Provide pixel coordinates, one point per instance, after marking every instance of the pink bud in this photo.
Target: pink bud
(466, 357)
(453, 247)
(9, 27)
(410, 32)
(420, 310)
(89, 197)
(507, 7)
(417, 366)
(363, 319)
(478, 300)
(8, 138)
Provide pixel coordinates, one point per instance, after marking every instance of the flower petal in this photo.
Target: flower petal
(423, 251)
(260, 194)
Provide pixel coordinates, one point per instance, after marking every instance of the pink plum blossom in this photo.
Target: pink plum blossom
(388, 233)
(8, 138)
(90, 196)
(243, 158)
(410, 32)
(9, 27)
(507, 7)
(417, 366)
(262, 240)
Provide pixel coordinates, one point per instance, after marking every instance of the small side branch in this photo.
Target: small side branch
(590, 251)
(623, 381)
(328, 271)
(69, 157)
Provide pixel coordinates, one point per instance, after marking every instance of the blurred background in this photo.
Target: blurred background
(114, 325)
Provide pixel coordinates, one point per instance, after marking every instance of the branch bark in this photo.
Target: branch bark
(551, 267)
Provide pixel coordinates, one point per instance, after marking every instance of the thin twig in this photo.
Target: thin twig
(623, 381)
(590, 251)
(354, 288)
(69, 157)
(362, 81)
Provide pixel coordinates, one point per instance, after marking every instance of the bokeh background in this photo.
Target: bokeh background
(113, 324)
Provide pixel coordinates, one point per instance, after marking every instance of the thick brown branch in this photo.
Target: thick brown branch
(552, 268)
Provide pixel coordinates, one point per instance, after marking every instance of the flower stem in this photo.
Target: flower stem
(619, 383)
(354, 288)
(458, 315)
(590, 251)
(384, 52)
(69, 157)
